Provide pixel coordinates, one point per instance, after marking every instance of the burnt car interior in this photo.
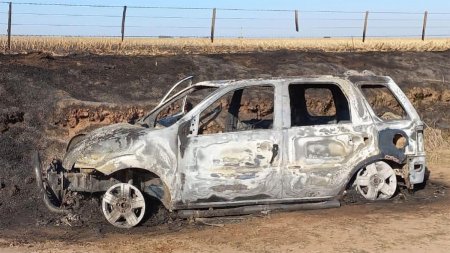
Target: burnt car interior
(239, 110)
(317, 104)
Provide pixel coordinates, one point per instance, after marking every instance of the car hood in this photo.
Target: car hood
(104, 143)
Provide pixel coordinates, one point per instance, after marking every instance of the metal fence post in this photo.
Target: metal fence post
(424, 27)
(296, 20)
(123, 21)
(213, 24)
(365, 26)
(9, 25)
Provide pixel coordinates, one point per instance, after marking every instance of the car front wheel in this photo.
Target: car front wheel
(123, 205)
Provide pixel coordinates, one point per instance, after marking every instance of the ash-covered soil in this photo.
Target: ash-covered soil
(45, 100)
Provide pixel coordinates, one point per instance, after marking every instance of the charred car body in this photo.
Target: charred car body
(234, 147)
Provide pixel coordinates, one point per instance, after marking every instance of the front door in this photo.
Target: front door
(232, 154)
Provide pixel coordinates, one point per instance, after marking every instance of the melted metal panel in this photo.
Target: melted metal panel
(231, 166)
(123, 146)
(321, 158)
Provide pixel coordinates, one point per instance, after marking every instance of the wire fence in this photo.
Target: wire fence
(96, 20)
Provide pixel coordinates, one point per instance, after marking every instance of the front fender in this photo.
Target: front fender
(132, 161)
(160, 188)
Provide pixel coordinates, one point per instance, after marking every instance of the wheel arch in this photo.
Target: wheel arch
(76, 139)
(148, 181)
(153, 177)
(352, 174)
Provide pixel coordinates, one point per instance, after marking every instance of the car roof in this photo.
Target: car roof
(353, 78)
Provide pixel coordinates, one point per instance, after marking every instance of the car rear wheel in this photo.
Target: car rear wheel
(123, 205)
(377, 181)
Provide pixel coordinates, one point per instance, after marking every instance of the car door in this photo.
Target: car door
(231, 154)
(322, 142)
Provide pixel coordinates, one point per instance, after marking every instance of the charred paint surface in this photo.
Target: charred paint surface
(123, 146)
(320, 162)
(231, 166)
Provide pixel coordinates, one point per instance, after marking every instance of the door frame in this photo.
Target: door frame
(190, 136)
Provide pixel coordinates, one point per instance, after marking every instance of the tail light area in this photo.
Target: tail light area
(417, 163)
(420, 141)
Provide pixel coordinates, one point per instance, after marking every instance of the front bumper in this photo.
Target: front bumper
(44, 187)
(55, 182)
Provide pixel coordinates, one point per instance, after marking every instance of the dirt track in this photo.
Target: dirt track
(44, 100)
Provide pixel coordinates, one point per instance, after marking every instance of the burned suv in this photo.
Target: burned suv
(235, 147)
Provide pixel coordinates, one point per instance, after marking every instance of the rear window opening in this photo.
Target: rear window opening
(317, 104)
(383, 102)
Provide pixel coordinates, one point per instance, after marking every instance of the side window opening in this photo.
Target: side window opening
(239, 110)
(383, 102)
(317, 104)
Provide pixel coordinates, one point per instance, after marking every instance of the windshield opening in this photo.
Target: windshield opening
(172, 111)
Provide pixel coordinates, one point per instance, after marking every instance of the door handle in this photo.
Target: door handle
(275, 149)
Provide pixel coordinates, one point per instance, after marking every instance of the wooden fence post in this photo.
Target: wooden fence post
(123, 21)
(213, 24)
(365, 26)
(9, 25)
(424, 27)
(296, 20)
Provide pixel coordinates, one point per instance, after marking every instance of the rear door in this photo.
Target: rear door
(322, 142)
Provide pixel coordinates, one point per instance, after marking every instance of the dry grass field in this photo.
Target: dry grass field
(172, 46)
(435, 142)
